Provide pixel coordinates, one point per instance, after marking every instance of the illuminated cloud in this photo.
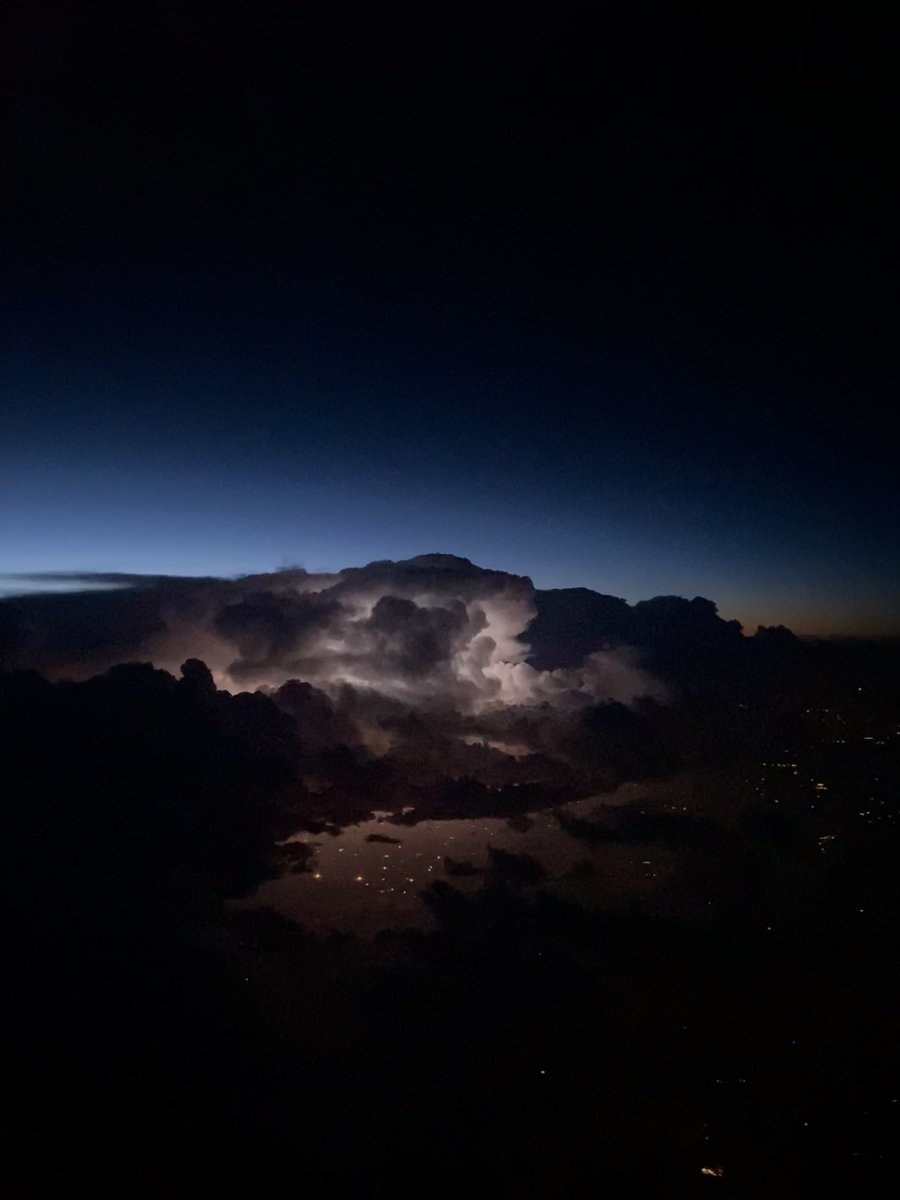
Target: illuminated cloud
(433, 633)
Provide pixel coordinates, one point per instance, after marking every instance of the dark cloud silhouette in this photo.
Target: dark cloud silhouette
(461, 867)
(413, 640)
(272, 630)
(517, 870)
(169, 783)
(633, 823)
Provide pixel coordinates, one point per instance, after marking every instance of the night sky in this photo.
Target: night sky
(600, 294)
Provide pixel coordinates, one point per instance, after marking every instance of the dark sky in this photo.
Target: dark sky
(600, 293)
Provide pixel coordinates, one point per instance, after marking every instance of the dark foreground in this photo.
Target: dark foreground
(742, 1019)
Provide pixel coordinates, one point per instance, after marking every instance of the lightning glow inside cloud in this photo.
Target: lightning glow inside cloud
(431, 632)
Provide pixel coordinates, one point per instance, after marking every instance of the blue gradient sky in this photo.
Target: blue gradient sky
(608, 311)
(167, 484)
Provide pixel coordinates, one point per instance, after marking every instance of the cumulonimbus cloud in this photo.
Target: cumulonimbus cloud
(431, 632)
